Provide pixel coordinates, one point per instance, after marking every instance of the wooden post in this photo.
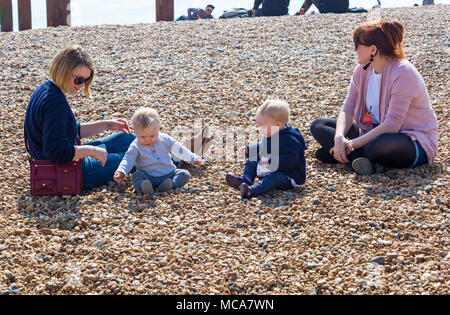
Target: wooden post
(6, 21)
(164, 10)
(58, 13)
(24, 14)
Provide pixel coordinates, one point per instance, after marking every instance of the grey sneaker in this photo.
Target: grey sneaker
(147, 187)
(364, 166)
(166, 185)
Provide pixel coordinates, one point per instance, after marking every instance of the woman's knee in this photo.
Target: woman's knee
(316, 124)
(392, 149)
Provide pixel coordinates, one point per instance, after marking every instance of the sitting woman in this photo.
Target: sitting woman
(52, 131)
(386, 119)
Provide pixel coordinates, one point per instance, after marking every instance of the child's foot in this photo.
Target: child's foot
(147, 187)
(166, 185)
(364, 166)
(235, 181)
(246, 191)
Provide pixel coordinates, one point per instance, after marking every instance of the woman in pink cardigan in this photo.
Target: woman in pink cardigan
(387, 119)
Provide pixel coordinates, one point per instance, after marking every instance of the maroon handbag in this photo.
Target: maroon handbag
(49, 179)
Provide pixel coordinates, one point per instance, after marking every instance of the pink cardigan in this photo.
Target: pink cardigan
(404, 103)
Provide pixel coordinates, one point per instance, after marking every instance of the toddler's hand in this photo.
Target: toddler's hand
(243, 150)
(118, 176)
(198, 162)
(265, 161)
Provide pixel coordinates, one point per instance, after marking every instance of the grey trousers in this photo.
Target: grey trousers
(179, 178)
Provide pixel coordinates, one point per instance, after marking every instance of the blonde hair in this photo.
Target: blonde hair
(278, 110)
(64, 64)
(145, 117)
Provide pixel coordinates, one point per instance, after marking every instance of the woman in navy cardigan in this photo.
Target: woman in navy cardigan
(52, 131)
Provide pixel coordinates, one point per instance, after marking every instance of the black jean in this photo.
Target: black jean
(389, 149)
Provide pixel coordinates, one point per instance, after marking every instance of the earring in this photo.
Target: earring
(371, 60)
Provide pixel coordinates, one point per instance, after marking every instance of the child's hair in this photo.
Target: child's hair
(145, 117)
(278, 110)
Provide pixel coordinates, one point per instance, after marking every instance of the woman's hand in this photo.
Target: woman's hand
(118, 176)
(119, 125)
(99, 154)
(342, 147)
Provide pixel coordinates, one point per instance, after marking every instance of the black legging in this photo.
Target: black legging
(389, 149)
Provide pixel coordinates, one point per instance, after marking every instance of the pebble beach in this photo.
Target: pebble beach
(338, 234)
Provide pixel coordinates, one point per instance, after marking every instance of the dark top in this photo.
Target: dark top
(331, 6)
(291, 158)
(273, 7)
(194, 14)
(50, 126)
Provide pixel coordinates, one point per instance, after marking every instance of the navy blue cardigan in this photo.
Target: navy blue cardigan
(291, 157)
(50, 126)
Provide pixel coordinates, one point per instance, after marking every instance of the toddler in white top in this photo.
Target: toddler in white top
(151, 153)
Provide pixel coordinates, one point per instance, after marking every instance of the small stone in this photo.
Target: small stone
(184, 263)
(14, 289)
(46, 231)
(310, 291)
(262, 243)
(50, 285)
(311, 265)
(10, 276)
(428, 188)
(330, 188)
(420, 259)
(380, 260)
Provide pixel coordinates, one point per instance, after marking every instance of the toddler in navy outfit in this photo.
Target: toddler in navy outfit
(278, 159)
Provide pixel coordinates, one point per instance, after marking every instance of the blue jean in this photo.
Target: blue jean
(275, 180)
(116, 145)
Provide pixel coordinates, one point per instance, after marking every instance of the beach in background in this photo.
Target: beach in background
(98, 12)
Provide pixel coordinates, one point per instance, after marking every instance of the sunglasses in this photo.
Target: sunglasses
(80, 80)
(358, 43)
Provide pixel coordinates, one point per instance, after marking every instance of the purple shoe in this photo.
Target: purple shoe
(235, 181)
(246, 191)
